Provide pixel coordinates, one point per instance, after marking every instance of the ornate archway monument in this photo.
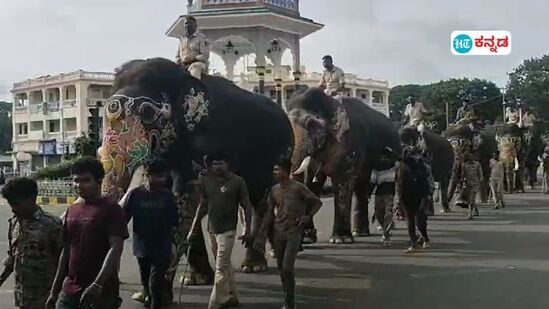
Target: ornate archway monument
(236, 28)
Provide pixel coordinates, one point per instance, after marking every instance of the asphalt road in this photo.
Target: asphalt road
(499, 260)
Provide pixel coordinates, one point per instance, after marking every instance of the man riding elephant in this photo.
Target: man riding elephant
(348, 160)
(438, 154)
(332, 80)
(414, 112)
(193, 52)
(159, 109)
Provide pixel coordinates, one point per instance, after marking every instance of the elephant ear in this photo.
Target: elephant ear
(194, 103)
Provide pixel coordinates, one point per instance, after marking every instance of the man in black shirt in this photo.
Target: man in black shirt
(222, 193)
(154, 213)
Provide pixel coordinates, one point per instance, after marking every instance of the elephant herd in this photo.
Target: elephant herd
(158, 109)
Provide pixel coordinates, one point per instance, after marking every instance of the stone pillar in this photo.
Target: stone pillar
(278, 87)
(296, 55)
(62, 123)
(260, 63)
(386, 98)
(230, 60)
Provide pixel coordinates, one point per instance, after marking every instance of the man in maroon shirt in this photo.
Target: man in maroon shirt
(94, 233)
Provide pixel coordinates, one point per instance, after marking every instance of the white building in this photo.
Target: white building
(49, 112)
(374, 93)
(266, 30)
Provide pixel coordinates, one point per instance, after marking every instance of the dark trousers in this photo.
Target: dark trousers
(73, 302)
(416, 216)
(153, 279)
(286, 253)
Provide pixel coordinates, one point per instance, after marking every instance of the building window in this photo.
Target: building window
(289, 93)
(53, 126)
(23, 128)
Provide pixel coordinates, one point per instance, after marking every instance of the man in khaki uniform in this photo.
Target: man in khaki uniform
(414, 112)
(193, 52)
(333, 78)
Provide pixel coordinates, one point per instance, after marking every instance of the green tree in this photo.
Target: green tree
(5, 126)
(85, 146)
(530, 82)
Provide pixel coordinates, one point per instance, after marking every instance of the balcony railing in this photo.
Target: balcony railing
(69, 103)
(36, 135)
(36, 108)
(73, 76)
(53, 106)
(292, 5)
(214, 2)
(21, 108)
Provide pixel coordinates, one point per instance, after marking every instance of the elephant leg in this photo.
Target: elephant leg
(199, 271)
(255, 261)
(341, 232)
(360, 213)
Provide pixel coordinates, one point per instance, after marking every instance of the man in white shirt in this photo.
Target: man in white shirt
(193, 52)
(333, 78)
(414, 113)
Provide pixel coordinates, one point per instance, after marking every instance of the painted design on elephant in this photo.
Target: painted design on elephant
(197, 107)
(137, 154)
(509, 149)
(114, 109)
(340, 123)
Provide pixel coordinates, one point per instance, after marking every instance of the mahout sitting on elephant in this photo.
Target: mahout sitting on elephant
(158, 109)
(322, 149)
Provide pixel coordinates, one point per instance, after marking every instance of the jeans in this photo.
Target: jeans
(153, 279)
(73, 302)
(224, 288)
(416, 217)
(286, 253)
(384, 212)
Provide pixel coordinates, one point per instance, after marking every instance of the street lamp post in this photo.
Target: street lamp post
(502, 105)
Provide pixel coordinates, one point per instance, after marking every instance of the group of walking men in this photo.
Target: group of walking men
(74, 263)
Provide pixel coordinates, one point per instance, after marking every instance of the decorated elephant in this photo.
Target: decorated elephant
(439, 154)
(158, 109)
(341, 139)
(511, 153)
(534, 148)
(482, 144)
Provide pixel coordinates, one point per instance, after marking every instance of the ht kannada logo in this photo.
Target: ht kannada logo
(465, 43)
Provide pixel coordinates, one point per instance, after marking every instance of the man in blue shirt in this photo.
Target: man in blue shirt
(154, 213)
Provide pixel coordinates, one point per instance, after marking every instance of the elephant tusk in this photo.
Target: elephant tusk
(137, 178)
(303, 167)
(517, 165)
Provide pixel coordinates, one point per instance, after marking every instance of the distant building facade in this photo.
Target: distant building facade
(49, 112)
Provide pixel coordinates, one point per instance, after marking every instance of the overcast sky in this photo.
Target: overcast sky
(402, 41)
